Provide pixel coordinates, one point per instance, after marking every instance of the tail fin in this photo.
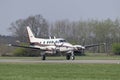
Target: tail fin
(30, 34)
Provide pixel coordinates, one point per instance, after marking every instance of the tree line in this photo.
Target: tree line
(89, 32)
(84, 32)
(77, 32)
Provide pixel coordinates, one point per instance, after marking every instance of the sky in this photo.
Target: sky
(53, 10)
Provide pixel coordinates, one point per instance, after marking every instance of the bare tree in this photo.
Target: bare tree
(37, 23)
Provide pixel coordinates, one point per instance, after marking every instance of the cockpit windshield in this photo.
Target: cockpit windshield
(62, 40)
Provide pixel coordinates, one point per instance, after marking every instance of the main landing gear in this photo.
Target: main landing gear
(70, 56)
(43, 56)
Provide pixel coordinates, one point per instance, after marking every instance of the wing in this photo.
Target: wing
(93, 45)
(24, 46)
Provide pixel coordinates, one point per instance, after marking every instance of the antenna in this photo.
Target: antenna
(49, 37)
(54, 37)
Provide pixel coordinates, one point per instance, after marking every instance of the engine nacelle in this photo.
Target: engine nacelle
(79, 47)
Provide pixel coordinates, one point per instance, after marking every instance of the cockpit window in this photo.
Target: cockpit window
(62, 40)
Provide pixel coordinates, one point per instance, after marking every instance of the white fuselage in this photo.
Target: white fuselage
(50, 45)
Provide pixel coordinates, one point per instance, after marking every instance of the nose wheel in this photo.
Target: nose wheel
(73, 57)
(68, 56)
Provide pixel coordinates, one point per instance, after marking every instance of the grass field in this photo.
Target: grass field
(52, 71)
(60, 71)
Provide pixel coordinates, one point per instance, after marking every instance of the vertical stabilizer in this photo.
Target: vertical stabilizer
(30, 34)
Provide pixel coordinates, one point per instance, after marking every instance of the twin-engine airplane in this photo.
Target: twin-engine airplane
(53, 45)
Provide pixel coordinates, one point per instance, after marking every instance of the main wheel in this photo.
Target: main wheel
(68, 56)
(43, 57)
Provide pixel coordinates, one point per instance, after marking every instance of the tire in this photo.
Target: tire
(68, 56)
(44, 57)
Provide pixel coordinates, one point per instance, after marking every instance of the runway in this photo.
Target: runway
(60, 61)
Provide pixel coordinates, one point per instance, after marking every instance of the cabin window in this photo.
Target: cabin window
(62, 40)
(44, 42)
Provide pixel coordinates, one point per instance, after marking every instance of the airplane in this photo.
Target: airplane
(53, 46)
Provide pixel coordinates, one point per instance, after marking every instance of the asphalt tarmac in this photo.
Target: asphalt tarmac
(60, 61)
